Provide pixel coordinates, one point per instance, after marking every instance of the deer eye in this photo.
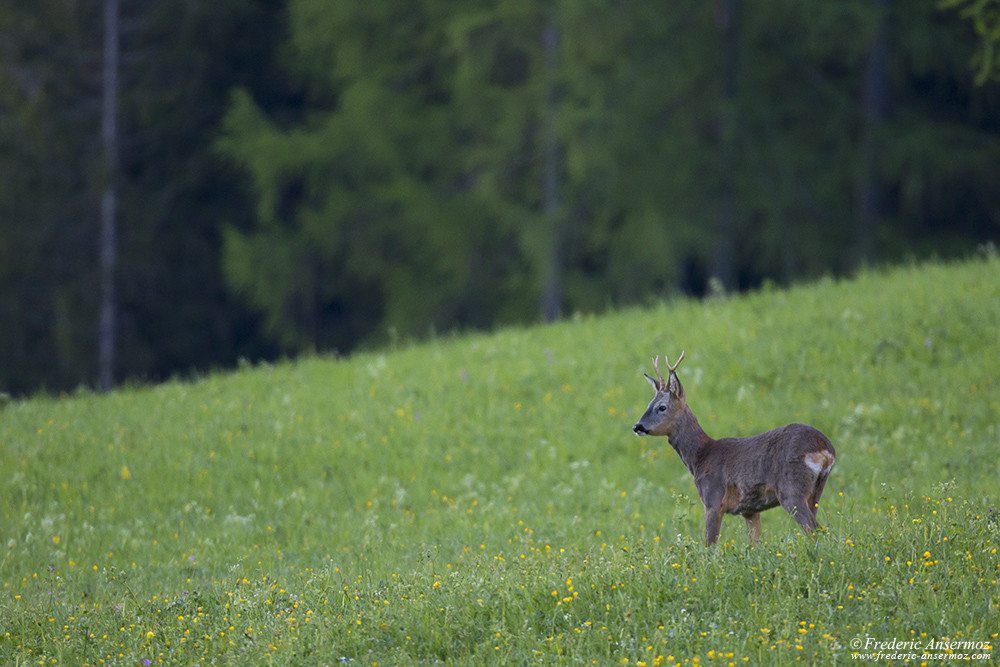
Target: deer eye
(662, 408)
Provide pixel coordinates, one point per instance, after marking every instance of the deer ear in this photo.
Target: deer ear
(674, 385)
(656, 386)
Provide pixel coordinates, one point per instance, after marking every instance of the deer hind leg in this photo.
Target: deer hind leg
(817, 492)
(798, 506)
(753, 525)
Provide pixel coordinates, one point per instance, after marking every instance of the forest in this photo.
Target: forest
(188, 185)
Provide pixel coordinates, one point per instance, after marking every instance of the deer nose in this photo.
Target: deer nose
(639, 429)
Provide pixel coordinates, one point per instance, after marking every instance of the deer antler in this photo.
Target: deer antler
(676, 363)
(656, 368)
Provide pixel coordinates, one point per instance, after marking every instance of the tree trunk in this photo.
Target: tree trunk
(874, 108)
(723, 262)
(109, 139)
(553, 260)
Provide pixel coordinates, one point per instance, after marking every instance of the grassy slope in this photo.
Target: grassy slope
(482, 498)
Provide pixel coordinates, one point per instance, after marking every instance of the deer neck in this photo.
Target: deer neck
(687, 438)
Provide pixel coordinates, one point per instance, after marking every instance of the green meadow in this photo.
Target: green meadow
(481, 499)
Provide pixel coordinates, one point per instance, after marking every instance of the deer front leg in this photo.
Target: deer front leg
(753, 525)
(713, 524)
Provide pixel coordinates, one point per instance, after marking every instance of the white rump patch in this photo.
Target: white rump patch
(819, 462)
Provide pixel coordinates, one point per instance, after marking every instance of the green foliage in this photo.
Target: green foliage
(482, 500)
(48, 175)
(449, 170)
(364, 202)
(985, 18)
(304, 175)
(179, 61)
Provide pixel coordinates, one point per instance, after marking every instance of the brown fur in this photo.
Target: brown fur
(786, 466)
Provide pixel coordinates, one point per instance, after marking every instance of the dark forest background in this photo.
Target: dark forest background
(187, 183)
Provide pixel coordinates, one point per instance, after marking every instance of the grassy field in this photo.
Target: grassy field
(482, 500)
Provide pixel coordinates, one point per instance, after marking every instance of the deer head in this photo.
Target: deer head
(667, 405)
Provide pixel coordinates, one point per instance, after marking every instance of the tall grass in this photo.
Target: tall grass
(480, 499)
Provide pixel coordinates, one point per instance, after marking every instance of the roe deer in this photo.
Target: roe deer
(787, 466)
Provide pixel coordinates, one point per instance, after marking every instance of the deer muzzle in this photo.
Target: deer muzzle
(639, 429)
